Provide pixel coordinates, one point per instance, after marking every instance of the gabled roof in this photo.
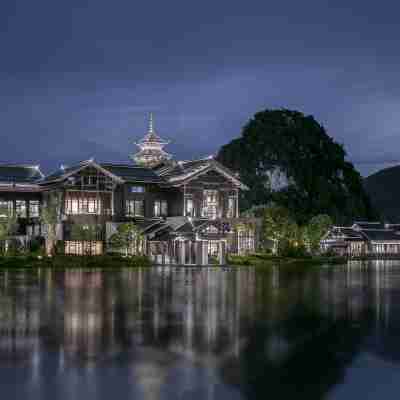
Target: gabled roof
(174, 226)
(184, 171)
(119, 172)
(19, 174)
(64, 172)
(384, 235)
(368, 225)
(133, 173)
(369, 234)
(347, 233)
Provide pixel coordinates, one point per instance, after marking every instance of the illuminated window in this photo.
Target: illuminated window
(135, 208)
(85, 205)
(246, 242)
(137, 189)
(160, 208)
(6, 208)
(34, 208)
(189, 208)
(210, 204)
(231, 207)
(20, 208)
(80, 248)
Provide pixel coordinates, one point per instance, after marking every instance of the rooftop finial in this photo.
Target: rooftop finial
(151, 128)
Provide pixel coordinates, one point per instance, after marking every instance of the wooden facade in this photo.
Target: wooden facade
(363, 239)
(188, 211)
(193, 222)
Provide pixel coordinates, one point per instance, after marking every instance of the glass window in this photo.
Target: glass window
(160, 208)
(6, 208)
(20, 208)
(86, 205)
(246, 241)
(189, 208)
(210, 204)
(157, 208)
(164, 208)
(34, 208)
(135, 208)
(137, 189)
(231, 207)
(80, 248)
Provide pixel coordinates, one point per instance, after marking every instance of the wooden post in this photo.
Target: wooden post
(237, 203)
(163, 253)
(198, 252)
(205, 252)
(222, 251)
(184, 200)
(182, 249)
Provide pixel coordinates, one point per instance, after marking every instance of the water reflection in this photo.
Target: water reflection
(204, 333)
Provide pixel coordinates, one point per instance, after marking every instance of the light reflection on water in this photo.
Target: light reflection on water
(200, 333)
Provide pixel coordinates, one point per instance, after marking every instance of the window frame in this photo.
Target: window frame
(137, 189)
(7, 204)
(20, 209)
(34, 205)
(160, 208)
(132, 207)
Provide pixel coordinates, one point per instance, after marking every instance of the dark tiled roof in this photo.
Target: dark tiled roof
(176, 222)
(348, 233)
(148, 224)
(369, 225)
(126, 172)
(61, 173)
(132, 173)
(10, 173)
(183, 168)
(180, 171)
(381, 235)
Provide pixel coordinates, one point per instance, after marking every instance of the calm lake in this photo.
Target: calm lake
(201, 333)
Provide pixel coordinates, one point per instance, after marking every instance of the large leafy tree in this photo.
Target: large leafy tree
(279, 227)
(50, 218)
(8, 226)
(287, 157)
(315, 230)
(127, 238)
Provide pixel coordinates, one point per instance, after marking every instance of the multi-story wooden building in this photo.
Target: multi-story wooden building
(188, 211)
(363, 239)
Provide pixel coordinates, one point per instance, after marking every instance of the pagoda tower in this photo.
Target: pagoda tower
(151, 151)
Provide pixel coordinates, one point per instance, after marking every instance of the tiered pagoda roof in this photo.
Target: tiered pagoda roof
(151, 148)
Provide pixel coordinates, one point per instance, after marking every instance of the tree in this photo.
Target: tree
(50, 217)
(8, 226)
(85, 232)
(128, 237)
(315, 230)
(279, 227)
(287, 157)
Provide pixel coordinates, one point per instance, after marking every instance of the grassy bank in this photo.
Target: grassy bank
(260, 259)
(68, 262)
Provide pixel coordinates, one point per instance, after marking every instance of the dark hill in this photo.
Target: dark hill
(384, 192)
(288, 158)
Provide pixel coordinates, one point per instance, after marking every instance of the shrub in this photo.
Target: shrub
(294, 252)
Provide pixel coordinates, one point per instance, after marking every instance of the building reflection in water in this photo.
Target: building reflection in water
(190, 330)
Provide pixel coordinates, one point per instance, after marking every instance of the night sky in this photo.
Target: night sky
(78, 78)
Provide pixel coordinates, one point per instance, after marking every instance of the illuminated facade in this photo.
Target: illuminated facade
(188, 211)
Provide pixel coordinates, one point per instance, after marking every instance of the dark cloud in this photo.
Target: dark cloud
(84, 74)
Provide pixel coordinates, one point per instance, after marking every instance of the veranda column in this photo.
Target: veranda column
(204, 246)
(222, 251)
(199, 252)
(163, 253)
(237, 203)
(181, 257)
